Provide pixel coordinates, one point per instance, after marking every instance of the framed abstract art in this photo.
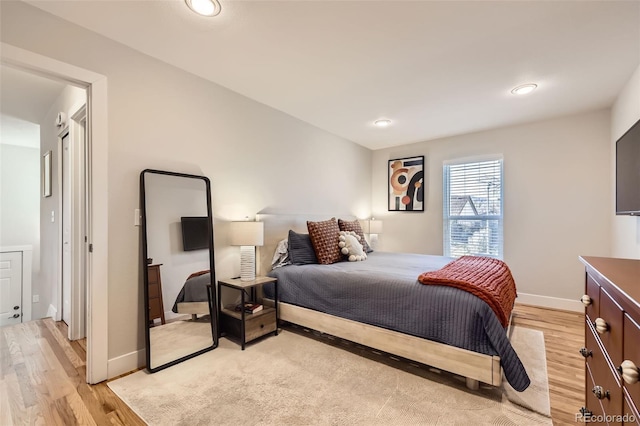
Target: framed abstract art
(406, 184)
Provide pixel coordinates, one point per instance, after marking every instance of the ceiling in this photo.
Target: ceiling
(25, 99)
(435, 68)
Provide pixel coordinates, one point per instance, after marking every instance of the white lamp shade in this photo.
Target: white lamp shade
(247, 233)
(375, 227)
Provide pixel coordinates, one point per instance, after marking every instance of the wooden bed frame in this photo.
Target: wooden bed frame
(193, 308)
(474, 366)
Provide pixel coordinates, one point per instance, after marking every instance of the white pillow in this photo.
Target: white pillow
(350, 246)
(281, 255)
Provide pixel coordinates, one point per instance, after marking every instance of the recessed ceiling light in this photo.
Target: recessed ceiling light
(382, 123)
(524, 89)
(204, 7)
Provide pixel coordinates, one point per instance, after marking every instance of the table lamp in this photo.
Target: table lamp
(247, 235)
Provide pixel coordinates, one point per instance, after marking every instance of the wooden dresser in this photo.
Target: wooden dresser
(612, 341)
(156, 307)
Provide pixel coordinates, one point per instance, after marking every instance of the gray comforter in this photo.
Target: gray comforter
(384, 291)
(193, 290)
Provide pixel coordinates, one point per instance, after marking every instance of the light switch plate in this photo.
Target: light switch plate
(136, 217)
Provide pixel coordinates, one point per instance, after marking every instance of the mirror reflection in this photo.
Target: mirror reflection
(178, 264)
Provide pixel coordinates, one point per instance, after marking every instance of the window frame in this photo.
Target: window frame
(446, 204)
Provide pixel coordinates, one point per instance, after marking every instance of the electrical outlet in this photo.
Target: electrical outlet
(36, 298)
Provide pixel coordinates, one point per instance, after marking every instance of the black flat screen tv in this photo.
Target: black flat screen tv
(628, 172)
(195, 233)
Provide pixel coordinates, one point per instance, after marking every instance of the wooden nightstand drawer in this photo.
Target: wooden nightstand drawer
(260, 325)
(256, 325)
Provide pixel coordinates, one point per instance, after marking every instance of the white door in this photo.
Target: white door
(66, 231)
(10, 288)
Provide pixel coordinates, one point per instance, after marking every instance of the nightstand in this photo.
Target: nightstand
(243, 325)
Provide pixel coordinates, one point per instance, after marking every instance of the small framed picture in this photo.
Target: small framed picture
(46, 174)
(406, 184)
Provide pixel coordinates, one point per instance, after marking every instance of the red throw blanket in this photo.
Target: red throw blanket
(488, 278)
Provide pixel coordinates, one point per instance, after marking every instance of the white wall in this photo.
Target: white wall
(624, 113)
(258, 159)
(69, 101)
(20, 205)
(557, 189)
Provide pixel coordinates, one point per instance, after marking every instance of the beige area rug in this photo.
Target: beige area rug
(303, 379)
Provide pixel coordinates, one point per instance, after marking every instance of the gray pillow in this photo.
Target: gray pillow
(300, 249)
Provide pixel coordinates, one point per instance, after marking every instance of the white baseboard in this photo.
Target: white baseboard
(550, 302)
(52, 312)
(126, 363)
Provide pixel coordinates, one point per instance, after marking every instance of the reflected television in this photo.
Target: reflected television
(195, 232)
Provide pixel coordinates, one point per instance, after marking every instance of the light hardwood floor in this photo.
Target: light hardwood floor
(42, 375)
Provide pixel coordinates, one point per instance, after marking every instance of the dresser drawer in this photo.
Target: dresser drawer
(604, 377)
(154, 309)
(154, 291)
(612, 313)
(630, 415)
(631, 351)
(593, 291)
(596, 359)
(592, 404)
(153, 274)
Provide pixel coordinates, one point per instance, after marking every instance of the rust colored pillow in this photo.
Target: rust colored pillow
(325, 237)
(354, 226)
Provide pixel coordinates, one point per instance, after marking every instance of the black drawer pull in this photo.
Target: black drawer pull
(261, 325)
(586, 352)
(600, 393)
(586, 413)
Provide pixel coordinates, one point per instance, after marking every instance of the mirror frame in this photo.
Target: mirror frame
(211, 293)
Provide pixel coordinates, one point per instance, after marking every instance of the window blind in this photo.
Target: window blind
(473, 208)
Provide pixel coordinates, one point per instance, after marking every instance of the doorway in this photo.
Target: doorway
(97, 225)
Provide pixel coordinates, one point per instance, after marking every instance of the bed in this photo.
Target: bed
(192, 298)
(444, 327)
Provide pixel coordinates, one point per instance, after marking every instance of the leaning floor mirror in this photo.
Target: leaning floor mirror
(178, 264)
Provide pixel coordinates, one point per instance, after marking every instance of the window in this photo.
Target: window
(473, 208)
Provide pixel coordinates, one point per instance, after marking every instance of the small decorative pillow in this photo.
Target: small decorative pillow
(300, 249)
(354, 225)
(324, 237)
(281, 255)
(350, 246)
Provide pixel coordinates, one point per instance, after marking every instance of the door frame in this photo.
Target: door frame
(98, 236)
(79, 167)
